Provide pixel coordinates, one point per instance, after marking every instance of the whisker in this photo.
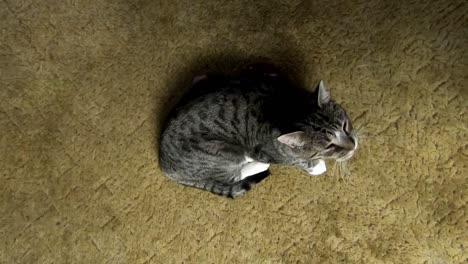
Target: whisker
(345, 168)
(338, 170)
(359, 126)
(361, 133)
(341, 170)
(335, 166)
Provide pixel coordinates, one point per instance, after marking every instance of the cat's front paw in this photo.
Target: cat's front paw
(317, 168)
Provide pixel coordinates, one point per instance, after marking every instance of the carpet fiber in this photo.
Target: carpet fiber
(85, 86)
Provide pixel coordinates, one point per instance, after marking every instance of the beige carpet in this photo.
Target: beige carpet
(85, 85)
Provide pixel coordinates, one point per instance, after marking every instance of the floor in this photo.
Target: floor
(85, 86)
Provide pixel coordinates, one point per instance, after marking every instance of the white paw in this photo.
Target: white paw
(253, 168)
(248, 159)
(318, 169)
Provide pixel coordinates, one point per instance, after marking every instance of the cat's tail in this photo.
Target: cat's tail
(231, 190)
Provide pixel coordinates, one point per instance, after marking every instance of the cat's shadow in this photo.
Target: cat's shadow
(286, 62)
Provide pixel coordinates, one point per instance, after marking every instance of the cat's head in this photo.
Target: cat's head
(325, 132)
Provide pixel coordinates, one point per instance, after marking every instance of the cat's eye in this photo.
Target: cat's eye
(334, 147)
(331, 146)
(346, 127)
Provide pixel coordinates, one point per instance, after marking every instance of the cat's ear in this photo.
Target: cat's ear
(199, 78)
(323, 96)
(293, 140)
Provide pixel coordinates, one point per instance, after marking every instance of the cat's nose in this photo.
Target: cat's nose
(350, 143)
(346, 142)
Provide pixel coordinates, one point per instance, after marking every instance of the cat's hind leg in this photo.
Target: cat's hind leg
(220, 168)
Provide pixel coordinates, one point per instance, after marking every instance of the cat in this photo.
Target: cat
(224, 134)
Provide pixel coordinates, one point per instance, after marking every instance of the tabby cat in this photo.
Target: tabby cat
(223, 136)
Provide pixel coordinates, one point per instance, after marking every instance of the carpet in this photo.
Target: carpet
(86, 85)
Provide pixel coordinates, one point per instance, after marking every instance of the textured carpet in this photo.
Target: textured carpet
(85, 85)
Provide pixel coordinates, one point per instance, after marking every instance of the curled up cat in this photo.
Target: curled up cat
(224, 134)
